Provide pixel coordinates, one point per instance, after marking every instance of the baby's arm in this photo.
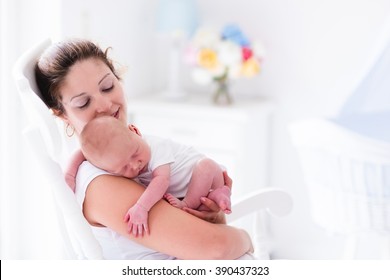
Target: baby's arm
(137, 216)
(72, 168)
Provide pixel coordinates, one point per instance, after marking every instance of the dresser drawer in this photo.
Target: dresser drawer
(215, 134)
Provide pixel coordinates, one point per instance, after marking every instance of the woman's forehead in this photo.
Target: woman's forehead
(87, 67)
(83, 74)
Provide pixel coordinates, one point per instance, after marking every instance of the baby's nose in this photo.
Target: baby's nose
(135, 165)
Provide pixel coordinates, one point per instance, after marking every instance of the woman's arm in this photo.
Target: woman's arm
(172, 231)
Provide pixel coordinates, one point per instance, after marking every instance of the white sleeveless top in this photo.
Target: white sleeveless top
(114, 245)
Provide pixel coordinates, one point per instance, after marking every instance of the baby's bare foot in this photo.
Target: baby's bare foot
(222, 197)
(174, 201)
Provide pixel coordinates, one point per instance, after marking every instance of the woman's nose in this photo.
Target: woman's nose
(103, 105)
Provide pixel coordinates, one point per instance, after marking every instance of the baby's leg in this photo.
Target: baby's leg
(207, 176)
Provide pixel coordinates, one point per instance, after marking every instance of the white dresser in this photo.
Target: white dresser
(236, 136)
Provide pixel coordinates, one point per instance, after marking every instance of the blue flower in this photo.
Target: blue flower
(232, 32)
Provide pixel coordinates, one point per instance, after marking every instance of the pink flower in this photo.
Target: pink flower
(246, 53)
(190, 56)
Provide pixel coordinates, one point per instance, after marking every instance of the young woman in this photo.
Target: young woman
(78, 82)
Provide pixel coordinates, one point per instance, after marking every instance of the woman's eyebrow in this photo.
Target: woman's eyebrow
(78, 95)
(103, 78)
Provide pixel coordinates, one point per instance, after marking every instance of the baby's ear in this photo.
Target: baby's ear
(134, 129)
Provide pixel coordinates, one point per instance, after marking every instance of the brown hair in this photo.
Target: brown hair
(54, 64)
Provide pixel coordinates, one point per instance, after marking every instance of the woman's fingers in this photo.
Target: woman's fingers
(210, 211)
(228, 181)
(194, 212)
(210, 204)
(204, 215)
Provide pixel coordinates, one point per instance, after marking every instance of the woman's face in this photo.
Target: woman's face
(91, 90)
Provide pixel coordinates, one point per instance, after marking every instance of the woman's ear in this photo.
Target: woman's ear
(59, 114)
(134, 129)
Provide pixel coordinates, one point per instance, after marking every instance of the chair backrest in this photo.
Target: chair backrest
(51, 149)
(347, 175)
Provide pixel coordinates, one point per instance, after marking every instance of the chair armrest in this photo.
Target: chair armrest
(276, 201)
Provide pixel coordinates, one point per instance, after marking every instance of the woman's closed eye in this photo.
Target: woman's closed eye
(81, 102)
(85, 105)
(107, 85)
(108, 89)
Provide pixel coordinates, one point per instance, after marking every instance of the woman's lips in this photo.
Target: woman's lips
(116, 114)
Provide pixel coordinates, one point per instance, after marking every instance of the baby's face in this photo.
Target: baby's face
(129, 158)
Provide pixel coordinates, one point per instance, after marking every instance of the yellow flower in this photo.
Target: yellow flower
(250, 67)
(208, 58)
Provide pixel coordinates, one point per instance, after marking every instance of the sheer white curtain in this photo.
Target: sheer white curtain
(372, 93)
(28, 229)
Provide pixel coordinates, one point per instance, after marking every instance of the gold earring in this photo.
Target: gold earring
(71, 132)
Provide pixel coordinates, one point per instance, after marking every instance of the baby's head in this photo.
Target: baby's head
(110, 145)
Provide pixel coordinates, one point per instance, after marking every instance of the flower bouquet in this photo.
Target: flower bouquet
(220, 57)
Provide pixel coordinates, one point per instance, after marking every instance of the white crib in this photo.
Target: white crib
(347, 173)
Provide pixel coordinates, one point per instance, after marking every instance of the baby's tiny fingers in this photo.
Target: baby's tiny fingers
(140, 230)
(130, 228)
(146, 228)
(135, 230)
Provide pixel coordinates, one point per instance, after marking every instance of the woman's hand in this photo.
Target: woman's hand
(209, 210)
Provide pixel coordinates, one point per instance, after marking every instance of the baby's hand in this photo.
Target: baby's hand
(137, 219)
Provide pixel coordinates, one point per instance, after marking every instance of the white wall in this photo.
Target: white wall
(316, 53)
(126, 26)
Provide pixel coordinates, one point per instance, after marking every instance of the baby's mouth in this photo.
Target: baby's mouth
(143, 169)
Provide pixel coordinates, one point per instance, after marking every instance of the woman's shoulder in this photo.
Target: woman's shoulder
(85, 174)
(105, 198)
